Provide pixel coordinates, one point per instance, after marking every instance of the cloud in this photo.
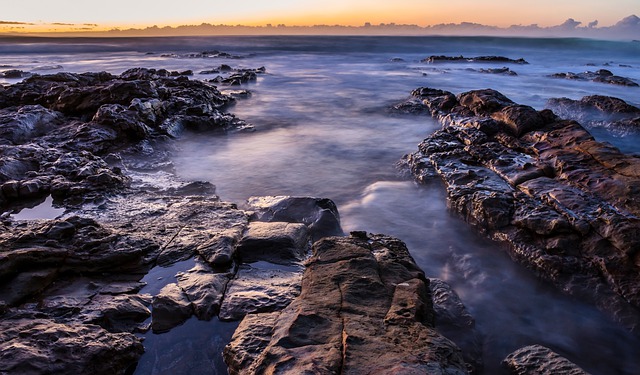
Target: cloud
(15, 23)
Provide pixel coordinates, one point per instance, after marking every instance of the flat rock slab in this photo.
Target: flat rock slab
(566, 205)
(256, 290)
(364, 308)
(539, 360)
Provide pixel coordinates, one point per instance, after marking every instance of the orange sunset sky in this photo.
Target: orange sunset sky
(96, 15)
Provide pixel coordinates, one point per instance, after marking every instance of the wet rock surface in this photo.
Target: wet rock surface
(592, 111)
(602, 76)
(539, 360)
(563, 204)
(364, 307)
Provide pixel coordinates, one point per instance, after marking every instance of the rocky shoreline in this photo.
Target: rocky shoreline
(563, 204)
(72, 295)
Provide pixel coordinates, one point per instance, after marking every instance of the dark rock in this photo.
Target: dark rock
(41, 346)
(563, 204)
(602, 76)
(275, 242)
(504, 71)
(491, 59)
(256, 290)
(453, 320)
(594, 111)
(320, 215)
(484, 102)
(539, 360)
(15, 73)
(363, 308)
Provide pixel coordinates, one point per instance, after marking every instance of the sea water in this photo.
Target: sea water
(322, 129)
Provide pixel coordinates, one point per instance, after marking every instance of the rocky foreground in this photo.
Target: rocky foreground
(72, 298)
(562, 203)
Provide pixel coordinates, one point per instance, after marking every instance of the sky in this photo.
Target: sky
(106, 14)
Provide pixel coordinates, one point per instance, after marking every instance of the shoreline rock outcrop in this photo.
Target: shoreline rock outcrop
(364, 308)
(565, 205)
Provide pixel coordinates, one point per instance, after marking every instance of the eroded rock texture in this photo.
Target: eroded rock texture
(539, 360)
(566, 205)
(364, 308)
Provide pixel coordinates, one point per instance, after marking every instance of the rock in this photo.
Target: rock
(170, 308)
(42, 346)
(498, 59)
(453, 320)
(602, 76)
(539, 360)
(220, 250)
(29, 121)
(594, 111)
(275, 242)
(320, 215)
(363, 308)
(484, 102)
(15, 73)
(256, 290)
(503, 70)
(204, 288)
(563, 204)
(120, 313)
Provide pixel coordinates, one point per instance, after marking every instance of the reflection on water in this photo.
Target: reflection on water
(44, 210)
(194, 347)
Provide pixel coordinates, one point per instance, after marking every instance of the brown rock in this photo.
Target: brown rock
(364, 309)
(564, 204)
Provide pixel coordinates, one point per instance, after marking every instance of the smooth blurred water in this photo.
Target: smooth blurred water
(322, 129)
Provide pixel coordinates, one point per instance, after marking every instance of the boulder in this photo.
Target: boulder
(364, 308)
(170, 308)
(539, 360)
(275, 242)
(320, 215)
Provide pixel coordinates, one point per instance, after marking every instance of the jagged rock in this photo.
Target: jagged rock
(499, 59)
(599, 111)
(256, 290)
(28, 121)
(275, 242)
(564, 203)
(119, 313)
(539, 360)
(42, 346)
(602, 75)
(320, 215)
(220, 249)
(363, 308)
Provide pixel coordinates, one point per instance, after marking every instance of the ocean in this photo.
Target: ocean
(322, 128)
